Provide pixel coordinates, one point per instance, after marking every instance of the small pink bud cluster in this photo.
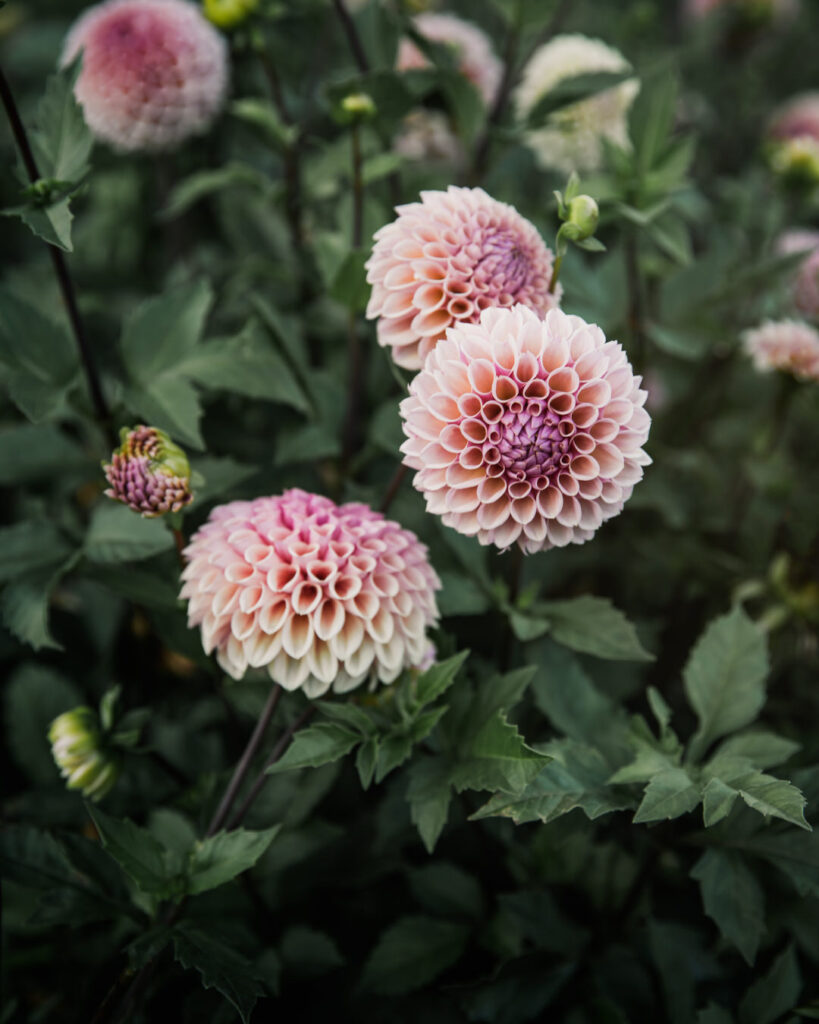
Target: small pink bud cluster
(149, 473)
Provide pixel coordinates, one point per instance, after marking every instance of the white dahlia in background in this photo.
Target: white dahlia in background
(787, 345)
(571, 138)
(806, 280)
(321, 595)
(427, 135)
(471, 47)
(154, 72)
(526, 431)
(445, 260)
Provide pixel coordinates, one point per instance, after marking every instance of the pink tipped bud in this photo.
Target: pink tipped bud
(149, 473)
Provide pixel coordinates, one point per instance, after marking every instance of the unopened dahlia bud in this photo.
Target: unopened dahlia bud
(525, 430)
(444, 260)
(149, 473)
(572, 137)
(470, 46)
(793, 139)
(358, 106)
(81, 754)
(581, 222)
(229, 13)
(787, 345)
(154, 72)
(806, 281)
(321, 595)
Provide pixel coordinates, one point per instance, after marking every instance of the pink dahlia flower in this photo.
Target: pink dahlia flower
(322, 595)
(445, 260)
(796, 119)
(472, 49)
(153, 71)
(787, 345)
(762, 10)
(525, 430)
(806, 281)
(149, 473)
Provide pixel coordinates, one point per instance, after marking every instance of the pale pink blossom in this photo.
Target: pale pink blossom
(447, 258)
(788, 345)
(472, 49)
(319, 594)
(524, 430)
(806, 279)
(793, 136)
(153, 71)
(761, 9)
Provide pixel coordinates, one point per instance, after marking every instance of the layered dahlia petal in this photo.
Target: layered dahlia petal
(153, 71)
(446, 259)
(322, 595)
(472, 49)
(788, 345)
(538, 441)
(572, 138)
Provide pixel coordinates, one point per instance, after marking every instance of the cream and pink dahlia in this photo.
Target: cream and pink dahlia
(446, 259)
(526, 431)
(787, 345)
(471, 47)
(806, 280)
(153, 71)
(319, 594)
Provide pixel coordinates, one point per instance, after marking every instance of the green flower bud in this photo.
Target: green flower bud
(229, 13)
(358, 106)
(796, 160)
(80, 752)
(582, 218)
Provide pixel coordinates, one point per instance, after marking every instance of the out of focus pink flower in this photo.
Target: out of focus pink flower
(525, 430)
(473, 51)
(446, 259)
(759, 10)
(788, 345)
(427, 135)
(321, 595)
(806, 281)
(153, 71)
(149, 473)
(793, 138)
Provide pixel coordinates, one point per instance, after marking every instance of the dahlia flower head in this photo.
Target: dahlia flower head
(80, 753)
(572, 137)
(321, 595)
(446, 259)
(806, 279)
(154, 72)
(793, 137)
(149, 473)
(788, 345)
(526, 431)
(472, 49)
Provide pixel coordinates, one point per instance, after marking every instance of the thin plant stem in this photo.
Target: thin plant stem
(393, 487)
(242, 767)
(353, 38)
(170, 769)
(103, 413)
(636, 312)
(354, 369)
(275, 754)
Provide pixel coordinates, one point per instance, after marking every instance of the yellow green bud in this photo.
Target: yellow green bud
(229, 13)
(582, 218)
(80, 752)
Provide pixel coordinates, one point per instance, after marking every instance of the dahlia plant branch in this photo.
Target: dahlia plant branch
(636, 312)
(242, 767)
(353, 341)
(58, 260)
(353, 38)
(393, 487)
(276, 754)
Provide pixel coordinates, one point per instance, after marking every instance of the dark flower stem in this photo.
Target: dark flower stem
(60, 267)
(636, 311)
(354, 369)
(393, 488)
(242, 767)
(275, 754)
(353, 38)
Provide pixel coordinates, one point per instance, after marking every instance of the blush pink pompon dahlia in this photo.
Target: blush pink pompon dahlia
(472, 50)
(446, 259)
(526, 431)
(322, 595)
(153, 71)
(788, 345)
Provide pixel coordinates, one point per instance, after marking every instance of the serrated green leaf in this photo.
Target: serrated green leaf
(411, 953)
(438, 678)
(118, 534)
(365, 761)
(669, 794)
(219, 967)
(170, 403)
(29, 547)
(733, 898)
(316, 745)
(498, 758)
(33, 452)
(222, 857)
(718, 800)
(137, 852)
(161, 331)
(197, 186)
(429, 794)
(762, 749)
(725, 678)
(62, 141)
(594, 626)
